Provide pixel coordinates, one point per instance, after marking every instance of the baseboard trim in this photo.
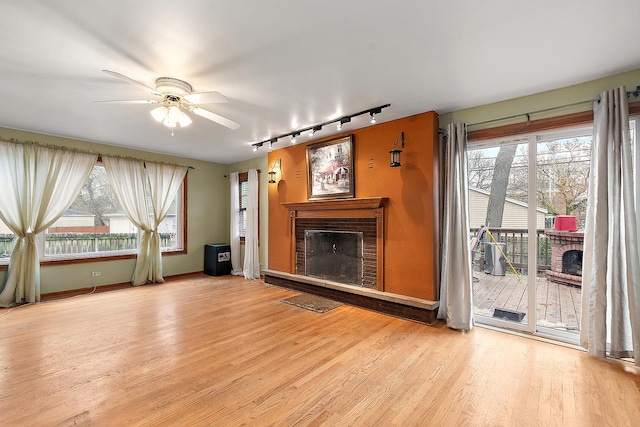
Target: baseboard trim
(106, 288)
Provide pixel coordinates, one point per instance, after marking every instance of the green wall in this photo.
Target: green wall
(545, 100)
(208, 220)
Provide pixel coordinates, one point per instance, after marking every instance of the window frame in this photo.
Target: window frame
(182, 223)
(243, 177)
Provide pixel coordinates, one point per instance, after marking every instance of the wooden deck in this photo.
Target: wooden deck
(558, 306)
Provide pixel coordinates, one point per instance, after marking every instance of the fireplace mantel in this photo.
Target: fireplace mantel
(369, 207)
(338, 204)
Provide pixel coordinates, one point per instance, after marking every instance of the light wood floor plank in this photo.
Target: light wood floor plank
(225, 352)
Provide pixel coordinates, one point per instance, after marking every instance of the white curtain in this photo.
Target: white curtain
(234, 224)
(456, 305)
(128, 180)
(38, 185)
(251, 255)
(610, 297)
(164, 183)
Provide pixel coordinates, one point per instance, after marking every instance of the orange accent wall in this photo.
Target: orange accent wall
(411, 222)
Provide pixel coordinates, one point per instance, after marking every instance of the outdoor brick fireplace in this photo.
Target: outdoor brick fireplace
(566, 257)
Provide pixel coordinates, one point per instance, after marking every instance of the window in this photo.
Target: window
(95, 226)
(243, 181)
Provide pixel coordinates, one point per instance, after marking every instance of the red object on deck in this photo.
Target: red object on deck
(565, 223)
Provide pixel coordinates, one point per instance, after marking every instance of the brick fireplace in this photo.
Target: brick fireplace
(366, 227)
(566, 256)
(364, 216)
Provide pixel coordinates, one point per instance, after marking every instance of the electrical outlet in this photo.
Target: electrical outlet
(96, 274)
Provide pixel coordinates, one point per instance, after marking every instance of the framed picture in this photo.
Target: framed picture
(330, 169)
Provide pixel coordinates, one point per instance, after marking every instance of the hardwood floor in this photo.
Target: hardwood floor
(225, 352)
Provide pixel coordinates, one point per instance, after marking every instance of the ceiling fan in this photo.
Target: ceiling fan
(176, 95)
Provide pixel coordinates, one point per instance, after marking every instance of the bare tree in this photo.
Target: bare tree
(499, 182)
(96, 196)
(480, 169)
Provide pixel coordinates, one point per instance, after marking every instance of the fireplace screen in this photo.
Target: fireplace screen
(334, 255)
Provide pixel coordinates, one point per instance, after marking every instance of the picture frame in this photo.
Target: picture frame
(330, 169)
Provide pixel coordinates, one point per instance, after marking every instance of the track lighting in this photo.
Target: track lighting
(315, 128)
(343, 121)
(373, 113)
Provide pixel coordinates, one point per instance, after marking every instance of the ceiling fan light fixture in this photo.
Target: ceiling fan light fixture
(169, 85)
(171, 116)
(159, 114)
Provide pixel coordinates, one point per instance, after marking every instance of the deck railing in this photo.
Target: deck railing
(82, 243)
(517, 241)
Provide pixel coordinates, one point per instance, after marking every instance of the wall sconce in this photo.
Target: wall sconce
(394, 154)
(276, 166)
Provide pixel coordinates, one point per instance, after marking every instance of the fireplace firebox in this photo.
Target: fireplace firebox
(334, 255)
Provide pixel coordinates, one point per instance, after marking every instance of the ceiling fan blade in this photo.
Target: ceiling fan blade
(134, 82)
(129, 101)
(214, 117)
(206, 98)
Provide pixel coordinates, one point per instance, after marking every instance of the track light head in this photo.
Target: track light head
(294, 135)
(343, 121)
(314, 130)
(373, 113)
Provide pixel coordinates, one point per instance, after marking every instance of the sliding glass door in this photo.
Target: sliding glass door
(498, 210)
(527, 201)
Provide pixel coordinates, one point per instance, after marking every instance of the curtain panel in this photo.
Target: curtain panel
(38, 186)
(129, 181)
(234, 225)
(611, 281)
(164, 183)
(251, 253)
(456, 305)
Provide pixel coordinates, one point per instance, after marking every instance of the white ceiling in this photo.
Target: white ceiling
(287, 64)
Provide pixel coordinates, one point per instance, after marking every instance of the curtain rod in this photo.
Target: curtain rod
(80, 150)
(227, 175)
(634, 93)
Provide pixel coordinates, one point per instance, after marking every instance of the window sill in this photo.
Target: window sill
(83, 258)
